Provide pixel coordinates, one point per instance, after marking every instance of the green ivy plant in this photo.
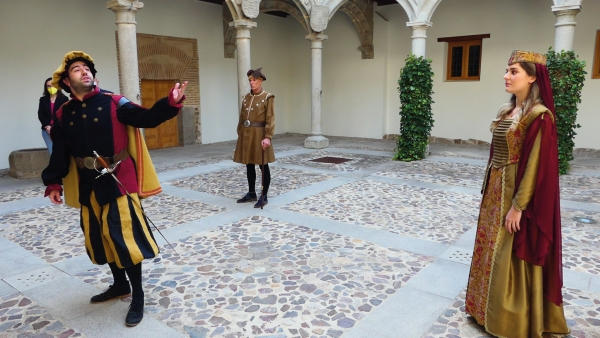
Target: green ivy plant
(416, 120)
(566, 77)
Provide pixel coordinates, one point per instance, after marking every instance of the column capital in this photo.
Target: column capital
(314, 37)
(242, 24)
(566, 9)
(124, 5)
(419, 25)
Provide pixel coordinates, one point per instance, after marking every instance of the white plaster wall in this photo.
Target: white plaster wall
(218, 75)
(588, 116)
(299, 77)
(269, 48)
(463, 110)
(33, 42)
(354, 95)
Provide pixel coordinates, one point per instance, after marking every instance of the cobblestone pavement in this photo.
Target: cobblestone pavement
(367, 248)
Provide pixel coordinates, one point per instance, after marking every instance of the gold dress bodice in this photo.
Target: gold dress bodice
(507, 143)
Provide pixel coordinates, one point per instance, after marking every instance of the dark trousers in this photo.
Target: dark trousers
(251, 174)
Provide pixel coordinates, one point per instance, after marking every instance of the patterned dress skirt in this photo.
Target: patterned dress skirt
(505, 293)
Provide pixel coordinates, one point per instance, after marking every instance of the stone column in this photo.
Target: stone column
(316, 140)
(565, 26)
(243, 55)
(419, 37)
(128, 59)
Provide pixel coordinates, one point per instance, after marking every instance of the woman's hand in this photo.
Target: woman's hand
(48, 129)
(266, 143)
(512, 220)
(179, 91)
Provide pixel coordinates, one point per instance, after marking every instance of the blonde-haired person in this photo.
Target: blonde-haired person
(51, 100)
(515, 281)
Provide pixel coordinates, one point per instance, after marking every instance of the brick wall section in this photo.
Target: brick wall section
(170, 58)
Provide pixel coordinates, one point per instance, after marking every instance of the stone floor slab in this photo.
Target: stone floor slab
(35, 278)
(109, 321)
(442, 278)
(17, 261)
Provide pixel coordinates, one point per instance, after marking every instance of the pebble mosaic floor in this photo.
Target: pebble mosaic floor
(262, 276)
(20, 194)
(53, 233)
(357, 161)
(582, 312)
(20, 317)
(458, 174)
(232, 183)
(410, 211)
(267, 278)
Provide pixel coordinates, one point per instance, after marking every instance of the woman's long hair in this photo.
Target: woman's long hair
(59, 93)
(533, 98)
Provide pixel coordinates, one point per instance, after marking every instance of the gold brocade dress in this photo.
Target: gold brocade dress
(505, 293)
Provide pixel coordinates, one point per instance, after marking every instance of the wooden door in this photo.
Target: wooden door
(166, 135)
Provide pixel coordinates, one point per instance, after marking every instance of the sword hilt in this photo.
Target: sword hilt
(101, 160)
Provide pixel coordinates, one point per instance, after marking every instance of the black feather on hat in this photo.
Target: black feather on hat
(256, 73)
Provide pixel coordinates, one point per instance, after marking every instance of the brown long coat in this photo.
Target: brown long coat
(256, 108)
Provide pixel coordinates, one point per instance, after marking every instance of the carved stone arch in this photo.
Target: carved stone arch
(228, 34)
(287, 6)
(361, 14)
(162, 61)
(234, 9)
(419, 10)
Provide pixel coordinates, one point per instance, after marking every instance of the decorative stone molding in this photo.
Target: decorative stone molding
(361, 14)
(251, 8)
(319, 17)
(124, 7)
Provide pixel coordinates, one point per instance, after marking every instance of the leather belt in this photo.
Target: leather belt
(88, 161)
(257, 124)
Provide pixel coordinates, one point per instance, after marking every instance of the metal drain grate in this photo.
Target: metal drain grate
(330, 159)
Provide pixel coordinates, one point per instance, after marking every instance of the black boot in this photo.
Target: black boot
(249, 197)
(262, 201)
(113, 292)
(135, 313)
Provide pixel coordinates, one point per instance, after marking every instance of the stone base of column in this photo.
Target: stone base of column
(316, 142)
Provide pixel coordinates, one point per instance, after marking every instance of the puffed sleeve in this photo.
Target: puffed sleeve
(137, 116)
(58, 167)
(528, 182)
(270, 120)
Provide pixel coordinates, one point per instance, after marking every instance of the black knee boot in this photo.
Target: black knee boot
(136, 309)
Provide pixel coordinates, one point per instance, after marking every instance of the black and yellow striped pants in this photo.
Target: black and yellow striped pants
(117, 232)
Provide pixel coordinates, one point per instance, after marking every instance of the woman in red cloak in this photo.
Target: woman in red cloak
(516, 273)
